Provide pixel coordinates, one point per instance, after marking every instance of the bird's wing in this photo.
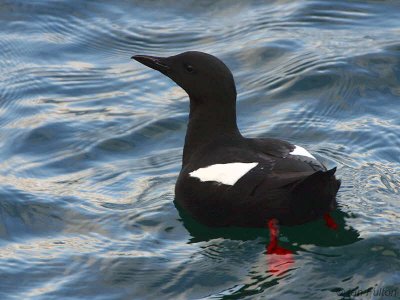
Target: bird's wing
(285, 160)
(273, 147)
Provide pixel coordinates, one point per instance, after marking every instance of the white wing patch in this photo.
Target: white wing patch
(301, 151)
(227, 174)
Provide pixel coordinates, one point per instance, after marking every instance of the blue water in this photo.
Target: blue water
(91, 144)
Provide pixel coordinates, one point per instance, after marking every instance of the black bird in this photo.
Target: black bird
(230, 180)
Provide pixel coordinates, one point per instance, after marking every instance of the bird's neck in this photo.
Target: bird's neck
(208, 122)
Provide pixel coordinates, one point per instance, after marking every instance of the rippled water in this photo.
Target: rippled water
(91, 147)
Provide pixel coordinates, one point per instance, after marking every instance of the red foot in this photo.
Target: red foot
(279, 259)
(278, 250)
(273, 247)
(330, 222)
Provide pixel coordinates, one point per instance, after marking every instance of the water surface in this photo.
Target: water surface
(91, 144)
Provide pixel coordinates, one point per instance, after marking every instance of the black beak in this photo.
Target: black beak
(156, 63)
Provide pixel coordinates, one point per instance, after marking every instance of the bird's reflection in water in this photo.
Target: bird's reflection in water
(330, 231)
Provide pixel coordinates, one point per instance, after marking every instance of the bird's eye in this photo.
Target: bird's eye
(189, 68)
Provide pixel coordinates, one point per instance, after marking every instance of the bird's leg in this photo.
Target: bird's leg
(279, 260)
(273, 247)
(273, 235)
(330, 222)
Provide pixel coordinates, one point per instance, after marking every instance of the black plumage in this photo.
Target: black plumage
(283, 185)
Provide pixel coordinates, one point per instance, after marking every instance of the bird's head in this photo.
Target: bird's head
(204, 77)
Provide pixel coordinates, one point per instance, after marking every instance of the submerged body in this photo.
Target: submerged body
(227, 179)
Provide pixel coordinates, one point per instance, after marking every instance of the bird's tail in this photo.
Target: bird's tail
(315, 195)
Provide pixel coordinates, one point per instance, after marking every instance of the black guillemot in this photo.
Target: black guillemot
(230, 180)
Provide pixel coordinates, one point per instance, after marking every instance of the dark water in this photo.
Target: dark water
(91, 143)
